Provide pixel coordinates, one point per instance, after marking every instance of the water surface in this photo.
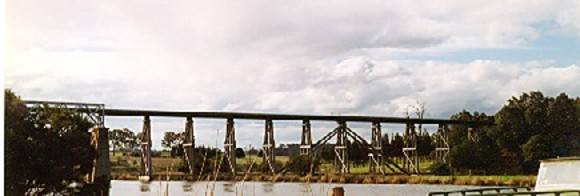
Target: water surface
(157, 188)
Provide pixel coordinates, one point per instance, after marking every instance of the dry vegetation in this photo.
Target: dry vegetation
(127, 168)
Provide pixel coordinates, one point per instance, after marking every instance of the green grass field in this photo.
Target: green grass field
(123, 165)
(131, 164)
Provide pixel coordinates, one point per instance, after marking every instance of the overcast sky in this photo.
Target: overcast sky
(309, 57)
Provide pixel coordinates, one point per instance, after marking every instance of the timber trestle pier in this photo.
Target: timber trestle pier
(342, 133)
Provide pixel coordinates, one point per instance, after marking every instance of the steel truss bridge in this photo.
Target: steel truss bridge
(342, 133)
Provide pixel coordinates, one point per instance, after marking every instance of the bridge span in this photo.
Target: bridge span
(289, 117)
(342, 133)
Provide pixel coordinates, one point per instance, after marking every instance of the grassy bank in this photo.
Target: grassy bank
(127, 168)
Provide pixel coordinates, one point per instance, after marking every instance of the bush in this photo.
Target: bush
(440, 169)
(301, 165)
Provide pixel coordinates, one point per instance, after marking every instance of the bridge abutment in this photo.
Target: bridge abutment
(101, 174)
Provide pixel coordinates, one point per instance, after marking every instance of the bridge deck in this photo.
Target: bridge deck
(90, 108)
(273, 116)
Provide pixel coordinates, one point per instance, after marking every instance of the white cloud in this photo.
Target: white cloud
(295, 57)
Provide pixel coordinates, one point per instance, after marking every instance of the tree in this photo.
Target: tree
(302, 165)
(420, 112)
(424, 144)
(537, 148)
(397, 145)
(357, 152)
(327, 152)
(385, 143)
(482, 155)
(171, 139)
(46, 150)
(122, 138)
(563, 124)
(240, 153)
(531, 122)
(458, 133)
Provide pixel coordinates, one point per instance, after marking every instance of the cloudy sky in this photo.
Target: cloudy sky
(334, 57)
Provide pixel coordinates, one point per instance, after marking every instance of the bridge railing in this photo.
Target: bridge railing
(481, 191)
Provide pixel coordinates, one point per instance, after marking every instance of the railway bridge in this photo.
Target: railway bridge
(342, 133)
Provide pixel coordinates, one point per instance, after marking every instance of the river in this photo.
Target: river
(156, 188)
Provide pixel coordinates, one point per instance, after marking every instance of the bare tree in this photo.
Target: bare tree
(420, 112)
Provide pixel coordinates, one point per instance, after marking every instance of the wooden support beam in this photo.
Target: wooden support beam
(340, 149)
(230, 146)
(146, 172)
(376, 149)
(411, 162)
(189, 144)
(268, 147)
(306, 139)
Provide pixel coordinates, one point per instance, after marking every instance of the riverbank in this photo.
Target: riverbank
(358, 179)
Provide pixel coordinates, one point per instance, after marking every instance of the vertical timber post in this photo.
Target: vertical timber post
(189, 143)
(442, 140)
(415, 142)
(101, 174)
(340, 149)
(268, 146)
(230, 145)
(410, 150)
(446, 140)
(306, 141)
(146, 172)
(375, 157)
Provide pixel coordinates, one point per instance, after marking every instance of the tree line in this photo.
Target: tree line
(48, 149)
(529, 128)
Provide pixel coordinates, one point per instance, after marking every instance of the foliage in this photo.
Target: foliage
(357, 152)
(425, 144)
(537, 148)
(458, 133)
(240, 153)
(397, 145)
(538, 127)
(177, 150)
(171, 139)
(46, 150)
(482, 155)
(327, 152)
(527, 129)
(440, 169)
(302, 165)
(122, 138)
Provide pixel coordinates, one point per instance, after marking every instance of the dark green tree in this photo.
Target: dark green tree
(531, 123)
(357, 152)
(397, 145)
(482, 155)
(386, 145)
(302, 165)
(425, 144)
(46, 150)
(240, 153)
